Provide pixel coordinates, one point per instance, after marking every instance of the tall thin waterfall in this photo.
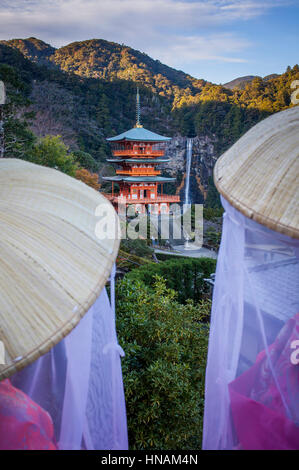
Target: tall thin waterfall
(188, 167)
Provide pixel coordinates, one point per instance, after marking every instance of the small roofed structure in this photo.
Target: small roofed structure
(137, 152)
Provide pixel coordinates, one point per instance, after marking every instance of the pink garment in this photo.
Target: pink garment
(23, 423)
(265, 399)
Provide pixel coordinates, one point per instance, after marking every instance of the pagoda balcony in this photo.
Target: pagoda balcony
(145, 200)
(139, 172)
(138, 153)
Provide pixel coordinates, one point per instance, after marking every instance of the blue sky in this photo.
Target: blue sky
(217, 40)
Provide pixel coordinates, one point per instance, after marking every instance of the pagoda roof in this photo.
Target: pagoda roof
(139, 134)
(139, 179)
(138, 160)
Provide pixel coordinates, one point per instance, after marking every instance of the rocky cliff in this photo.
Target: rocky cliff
(203, 159)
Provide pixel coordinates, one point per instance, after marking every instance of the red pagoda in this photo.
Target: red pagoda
(137, 152)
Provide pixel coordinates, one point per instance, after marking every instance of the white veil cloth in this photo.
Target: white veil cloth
(56, 254)
(79, 383)
(252, 376)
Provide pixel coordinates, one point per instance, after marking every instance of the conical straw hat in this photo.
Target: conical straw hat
(259, 174)
(52, 264)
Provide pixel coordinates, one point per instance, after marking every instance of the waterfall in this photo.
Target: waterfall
(188, 167)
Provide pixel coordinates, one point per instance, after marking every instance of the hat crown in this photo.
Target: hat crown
(259, 174)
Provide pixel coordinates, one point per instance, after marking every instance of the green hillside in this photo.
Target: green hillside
(83, 111)
(85, 92)
(97, 58)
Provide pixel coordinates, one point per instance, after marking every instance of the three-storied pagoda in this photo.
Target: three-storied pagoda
(137, 152)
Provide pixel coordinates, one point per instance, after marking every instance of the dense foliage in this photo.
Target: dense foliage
(138, 247)
(52, 152)
(209, 213)
(183, 275)
(91, 179)
(18, 138)
(213, 238)
(165, 344)
(227, 114)
(82, 111)
(86, 161)
(106, 60)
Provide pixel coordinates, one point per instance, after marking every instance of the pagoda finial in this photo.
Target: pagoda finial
(138, 109)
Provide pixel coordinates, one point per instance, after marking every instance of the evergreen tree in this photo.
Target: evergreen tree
(52, 152)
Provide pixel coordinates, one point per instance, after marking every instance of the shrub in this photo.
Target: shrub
(168, 257)
(213, 238)
(184, 275)
(86, 161)
(52, 152)
(213, 214)
(91, 179)
(166, 345)
(136, 247)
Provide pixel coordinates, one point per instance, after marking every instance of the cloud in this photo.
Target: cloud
(191, 49)
(174, 31)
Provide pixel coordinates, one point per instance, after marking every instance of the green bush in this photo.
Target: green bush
(213, 237)
(165, 344)
(184, 275)
(136, 247)
(52, 152)
(213, 214)
(168, 257)
(86, 160)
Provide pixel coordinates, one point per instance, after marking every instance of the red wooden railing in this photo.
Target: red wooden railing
(145, 200)
(139, 171)
(138, 153)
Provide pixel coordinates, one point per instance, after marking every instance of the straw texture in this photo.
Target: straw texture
(259, 174)
(52, 265)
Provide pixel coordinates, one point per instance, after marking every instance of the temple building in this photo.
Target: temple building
(137, 152)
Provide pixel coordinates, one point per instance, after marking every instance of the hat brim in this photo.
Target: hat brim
(53, 266)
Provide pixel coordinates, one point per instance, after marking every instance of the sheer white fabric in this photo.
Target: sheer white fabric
(79, 383)
(252, 376)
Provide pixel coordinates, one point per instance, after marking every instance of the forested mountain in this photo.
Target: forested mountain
(85, 92)
(82, 111)
(97, 58)
(110, 63)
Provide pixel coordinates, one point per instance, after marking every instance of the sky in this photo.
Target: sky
(217, 40)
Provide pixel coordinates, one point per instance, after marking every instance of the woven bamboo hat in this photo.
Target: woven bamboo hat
(52, 264)
(259, 174)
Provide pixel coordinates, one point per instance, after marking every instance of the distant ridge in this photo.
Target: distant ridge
(239, 82)
(33, 49)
